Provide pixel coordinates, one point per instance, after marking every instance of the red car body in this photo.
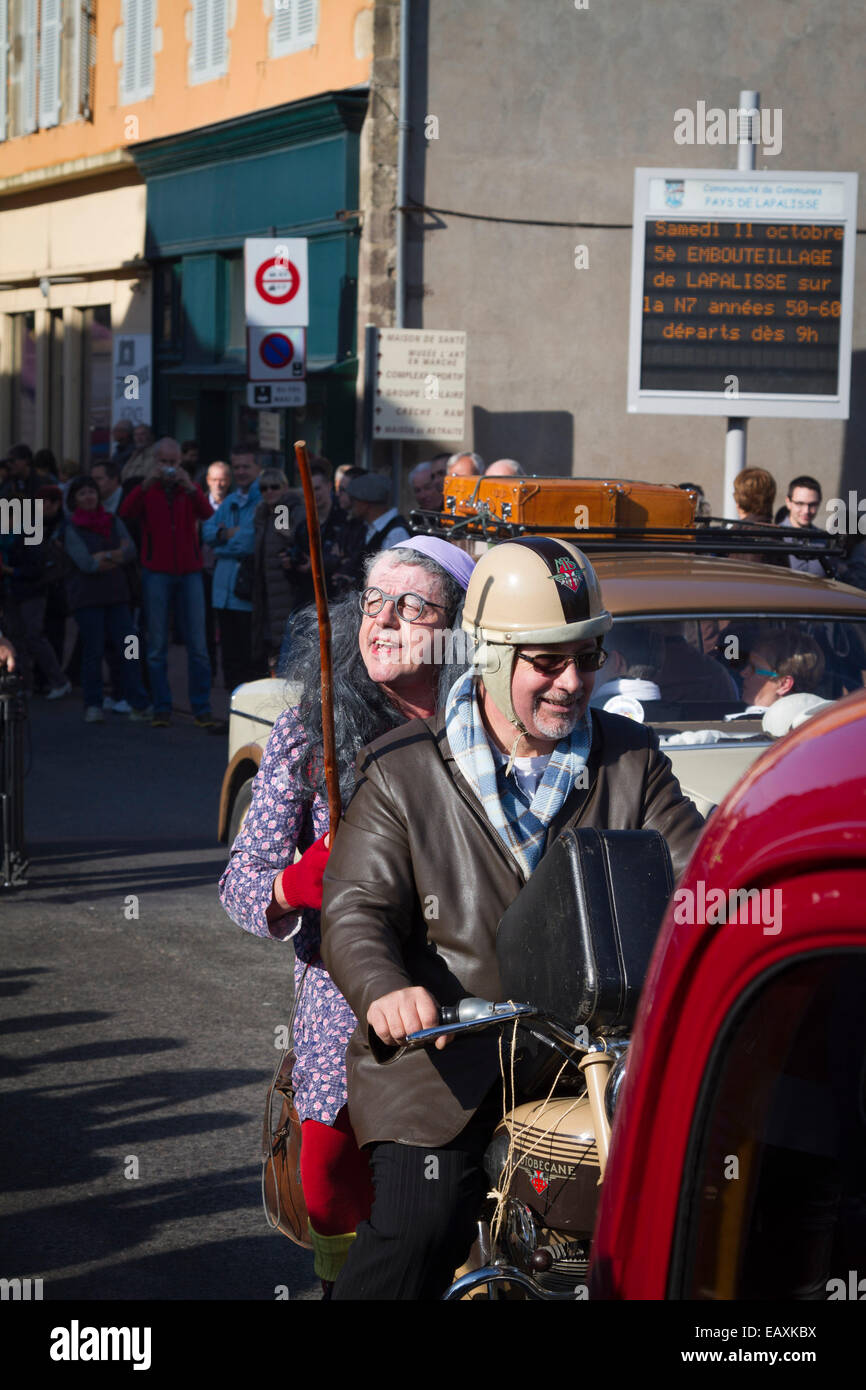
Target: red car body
(796, 823)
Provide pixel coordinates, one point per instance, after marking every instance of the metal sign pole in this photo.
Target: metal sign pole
(371, 351)
(735, 440)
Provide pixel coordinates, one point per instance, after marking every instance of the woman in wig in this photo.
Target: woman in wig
(393, 649)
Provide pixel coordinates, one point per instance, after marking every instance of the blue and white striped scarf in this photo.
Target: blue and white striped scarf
(522, 829)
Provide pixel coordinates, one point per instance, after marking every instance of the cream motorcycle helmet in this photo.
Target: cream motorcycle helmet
(535, 589)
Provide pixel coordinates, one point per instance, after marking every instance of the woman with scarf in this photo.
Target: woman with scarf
(97, 590)
(389, 666)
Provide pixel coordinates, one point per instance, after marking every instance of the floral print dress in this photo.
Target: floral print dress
(282, 818)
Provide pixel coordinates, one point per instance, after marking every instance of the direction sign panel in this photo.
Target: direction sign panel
(280, 393)
(742, 293)
(420, 384)
(276, 354)
(275, 281)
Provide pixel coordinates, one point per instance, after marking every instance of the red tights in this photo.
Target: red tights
(335, 1176)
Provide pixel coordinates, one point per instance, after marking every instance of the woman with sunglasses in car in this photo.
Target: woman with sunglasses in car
(391, 659)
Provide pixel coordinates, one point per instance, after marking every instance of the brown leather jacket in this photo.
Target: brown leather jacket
(414, 889)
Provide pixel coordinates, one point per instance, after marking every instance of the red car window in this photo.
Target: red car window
(776, 1204)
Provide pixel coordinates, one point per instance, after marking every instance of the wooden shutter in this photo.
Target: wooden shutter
(145, 48)
(137, 78)
(200, 37)
(295, 24)
(305, 28)
(49, 63)
(208, 39)
(218, 37)
(27, 75)
(4, 39)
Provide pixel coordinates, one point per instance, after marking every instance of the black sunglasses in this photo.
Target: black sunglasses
(552, 664)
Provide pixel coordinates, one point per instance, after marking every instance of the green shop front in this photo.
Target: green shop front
(286, 172)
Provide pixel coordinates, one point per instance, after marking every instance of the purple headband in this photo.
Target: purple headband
(458, 564)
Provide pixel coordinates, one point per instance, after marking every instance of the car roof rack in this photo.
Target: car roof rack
(709, 535)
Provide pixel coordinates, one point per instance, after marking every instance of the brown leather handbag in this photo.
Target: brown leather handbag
(282, 1193)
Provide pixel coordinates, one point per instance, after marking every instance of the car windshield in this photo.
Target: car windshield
(725, 672)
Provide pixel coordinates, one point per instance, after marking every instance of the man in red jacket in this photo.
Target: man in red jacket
(169, 506)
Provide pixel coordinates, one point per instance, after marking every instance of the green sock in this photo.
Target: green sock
(330, 1253)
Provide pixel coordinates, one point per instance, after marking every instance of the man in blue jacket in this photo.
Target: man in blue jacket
(230, 533)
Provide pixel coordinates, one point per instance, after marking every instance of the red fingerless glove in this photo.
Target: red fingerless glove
(302, 882)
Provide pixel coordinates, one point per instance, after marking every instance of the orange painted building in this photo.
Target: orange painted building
(111, 112)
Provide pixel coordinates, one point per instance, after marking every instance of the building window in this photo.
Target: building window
(97, 383)
(50, 26)
(209, 52)
(46, 54)
(236, 340)
(136, 76)
(294, 26)
(168, 315)
(78, 77)
(24, 379)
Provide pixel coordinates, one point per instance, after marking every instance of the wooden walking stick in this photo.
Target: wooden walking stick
(332, 778)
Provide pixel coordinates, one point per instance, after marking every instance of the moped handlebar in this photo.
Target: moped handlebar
(470, 1015)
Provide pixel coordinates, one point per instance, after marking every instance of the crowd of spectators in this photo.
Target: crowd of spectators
(153, 546)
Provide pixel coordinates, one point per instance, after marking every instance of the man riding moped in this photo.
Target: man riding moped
(449, 819)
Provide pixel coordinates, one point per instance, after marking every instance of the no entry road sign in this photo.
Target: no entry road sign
(275, 277)
(276, 354)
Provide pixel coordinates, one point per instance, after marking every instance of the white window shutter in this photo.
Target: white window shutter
(200, 56)
(137, 79)
(27, 76)
(4, 66)
(305, 31)
(284, 24)
(49, 63)
(209, 47)
(217, 57)
(130, 48)
(294, 26)
(145, 48)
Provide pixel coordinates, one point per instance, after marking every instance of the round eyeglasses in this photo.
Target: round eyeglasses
(410, 607)
(553, 664)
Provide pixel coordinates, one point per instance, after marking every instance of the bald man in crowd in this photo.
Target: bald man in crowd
(505, 468)
(465, 466)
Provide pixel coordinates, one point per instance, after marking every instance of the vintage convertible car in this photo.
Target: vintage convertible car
(697, 613)
(737, 1165)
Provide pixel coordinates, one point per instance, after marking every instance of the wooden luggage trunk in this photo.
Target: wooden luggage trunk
(559, 506)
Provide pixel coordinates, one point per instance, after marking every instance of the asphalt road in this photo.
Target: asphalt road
(134, 1045)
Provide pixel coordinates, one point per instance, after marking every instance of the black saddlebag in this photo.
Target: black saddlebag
(577, 939)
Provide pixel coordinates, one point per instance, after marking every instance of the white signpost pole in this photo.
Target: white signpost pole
(735, 439)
